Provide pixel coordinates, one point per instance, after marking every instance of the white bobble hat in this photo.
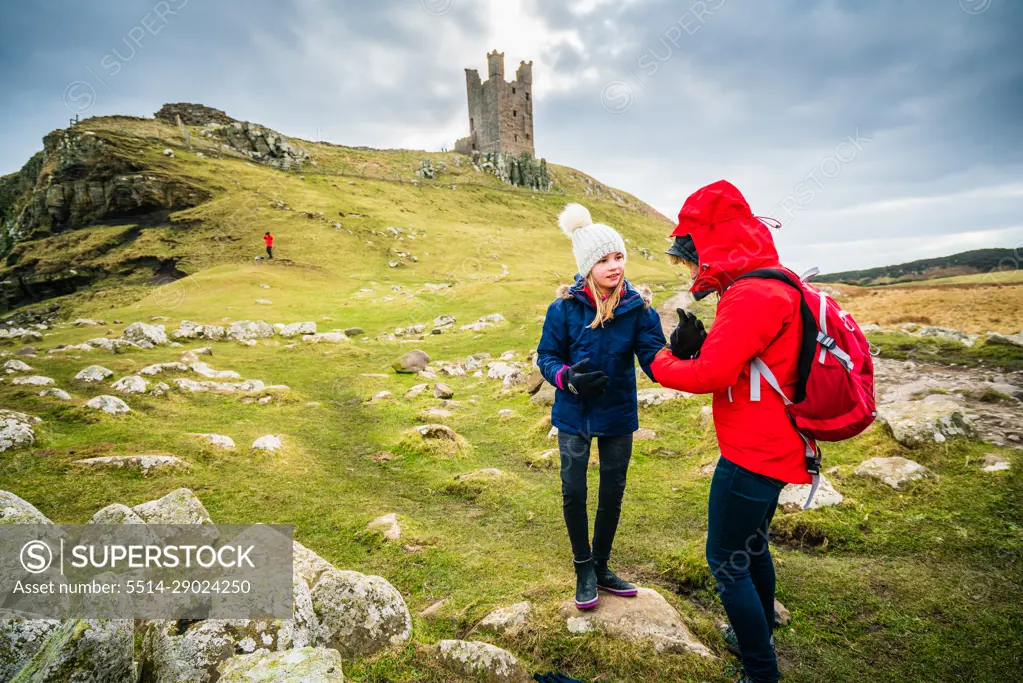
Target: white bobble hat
(590, 241)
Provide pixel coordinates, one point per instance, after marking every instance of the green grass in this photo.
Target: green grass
(1012, 274)
(934, 350)
(922, 585)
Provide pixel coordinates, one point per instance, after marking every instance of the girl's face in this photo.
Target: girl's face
(609, 271)
(694, 269)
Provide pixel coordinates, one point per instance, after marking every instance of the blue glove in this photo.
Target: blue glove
(554, 678)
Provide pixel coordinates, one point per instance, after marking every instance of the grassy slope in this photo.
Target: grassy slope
(922, 585)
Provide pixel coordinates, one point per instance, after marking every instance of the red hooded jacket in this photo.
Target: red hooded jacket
(754, 318)
(268, 240)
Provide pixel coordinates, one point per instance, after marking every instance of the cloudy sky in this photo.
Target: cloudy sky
(877, 132)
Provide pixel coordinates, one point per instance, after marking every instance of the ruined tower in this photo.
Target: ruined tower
(500, 112)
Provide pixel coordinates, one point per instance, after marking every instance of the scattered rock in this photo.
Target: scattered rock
(508, 620)
(644, 434)
(56, 393)
(481, 661)
(382, 396)
(295, 329)
(781, 615)
(354, 331)
(1005, 339)
(205, 370)
(142, 463)
(416, 390)
(645, 616)
(93, 373)
(15, 510)
(544, 396)
(913, 423)
(34, 380)
(299, 665)
(268, 442)
(435, 607)
(12, 366)
(545, 460)
(108, 404)
(249, 329)
(386, 525)
(793, 496)
(411, 362)
(180, 506)
(441, 390)
(325, 338)
(132, 384)
(655, 397)
(218, 441)
(895, 471)
(996, 462)
(143, 333)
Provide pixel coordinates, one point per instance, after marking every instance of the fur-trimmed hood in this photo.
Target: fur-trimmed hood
(564, 291)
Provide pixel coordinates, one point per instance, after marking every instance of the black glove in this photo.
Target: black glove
(554, 678)
(688, 336)
(579, 380)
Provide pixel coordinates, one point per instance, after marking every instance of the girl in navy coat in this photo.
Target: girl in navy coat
(592, 334)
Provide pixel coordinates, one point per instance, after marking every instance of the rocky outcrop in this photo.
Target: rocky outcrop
(301, 665)
(260, 144)
(192, 114)
(522, 169)
(481, 661)
(913, 423)
(142, 463)
(646, 616)
(508, 620)
(15, 510)
(895, 472)
(108, 404)
(21, 637)
(85, 651)
(178, 507)
(793, 496)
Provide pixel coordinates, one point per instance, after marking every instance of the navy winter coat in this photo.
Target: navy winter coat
(635, 331)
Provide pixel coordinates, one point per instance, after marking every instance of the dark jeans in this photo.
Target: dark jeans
(270, 252)
(615, 453)
(739, 513)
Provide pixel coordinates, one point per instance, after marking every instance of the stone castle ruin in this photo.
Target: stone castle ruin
(500, 112)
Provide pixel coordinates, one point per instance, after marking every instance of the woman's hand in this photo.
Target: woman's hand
(688, 335)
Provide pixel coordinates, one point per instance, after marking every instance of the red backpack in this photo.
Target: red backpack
(834, 396)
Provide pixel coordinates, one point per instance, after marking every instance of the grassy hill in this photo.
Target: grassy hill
(923, 584)
(968, 263)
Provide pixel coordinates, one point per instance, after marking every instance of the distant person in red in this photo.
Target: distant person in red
(268, 239)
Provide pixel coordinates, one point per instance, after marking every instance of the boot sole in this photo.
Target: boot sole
(590, 604)
(630, 593)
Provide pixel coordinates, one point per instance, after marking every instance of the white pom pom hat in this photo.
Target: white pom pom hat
(590, 241)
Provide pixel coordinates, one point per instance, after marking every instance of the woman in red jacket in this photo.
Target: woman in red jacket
(268, 240)
(720, 239)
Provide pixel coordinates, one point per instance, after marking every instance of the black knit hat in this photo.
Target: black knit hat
(684, 247)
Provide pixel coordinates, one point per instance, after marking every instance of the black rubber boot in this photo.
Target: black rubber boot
(608, 581)
(585, 585)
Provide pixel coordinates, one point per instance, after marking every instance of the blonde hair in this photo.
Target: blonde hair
(605, 307)
(675, 260)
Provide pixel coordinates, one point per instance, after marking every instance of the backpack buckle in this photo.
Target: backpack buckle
(813, 462)
(826, 341)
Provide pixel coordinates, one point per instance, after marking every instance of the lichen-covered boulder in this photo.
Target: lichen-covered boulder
(295, 329)
(193, 651)
(108, 404)
(14, 365)
(16, 510)
(116, 513)
(143, 462)
(145, 334)
(93, 373)
(302, 665)
(218, 441)
(646, 616)
(56, 393)
(34, 380)
(481, 661)
(508, 620)
(895, 472)
(84, 651)
(16, 430)
(132, 384)
(913, 423)
(249, 329)
(267, 442)
(334, 337)
(411, 362)
(358, 615)
(793, 496)
(21, 637)
(180, 506)
(157, 368)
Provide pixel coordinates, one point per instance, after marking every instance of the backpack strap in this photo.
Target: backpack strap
(808, 345)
